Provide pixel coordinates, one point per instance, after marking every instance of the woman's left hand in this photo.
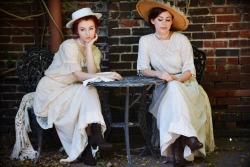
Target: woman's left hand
(92, 41)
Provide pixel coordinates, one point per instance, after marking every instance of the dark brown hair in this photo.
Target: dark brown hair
(155, 12)
(76, 23)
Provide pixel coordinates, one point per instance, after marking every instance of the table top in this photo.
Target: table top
(131, 81)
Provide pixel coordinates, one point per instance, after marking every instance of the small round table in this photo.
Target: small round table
(132, 81)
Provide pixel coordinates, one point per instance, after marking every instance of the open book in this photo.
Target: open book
(98, 79)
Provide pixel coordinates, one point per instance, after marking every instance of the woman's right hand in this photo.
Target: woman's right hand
(114, 75)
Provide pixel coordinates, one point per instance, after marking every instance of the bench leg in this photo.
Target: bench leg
(39, 133)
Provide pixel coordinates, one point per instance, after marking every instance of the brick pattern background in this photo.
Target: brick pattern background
(221, 28)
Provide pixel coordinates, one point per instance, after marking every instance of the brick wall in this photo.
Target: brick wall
(221, 28)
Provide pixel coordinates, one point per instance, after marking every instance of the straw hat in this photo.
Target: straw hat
(82, 13)
(180, 21)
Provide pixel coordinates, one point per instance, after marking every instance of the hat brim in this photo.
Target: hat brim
(70, 23)
(180, 22)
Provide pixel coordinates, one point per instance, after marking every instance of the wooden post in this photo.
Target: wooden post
(56, 38)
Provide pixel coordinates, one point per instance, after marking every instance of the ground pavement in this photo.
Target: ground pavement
(229, 152)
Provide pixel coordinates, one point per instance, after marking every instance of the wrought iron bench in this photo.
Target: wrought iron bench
(30, 69)
(200, 64)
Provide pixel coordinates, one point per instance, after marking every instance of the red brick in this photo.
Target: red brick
(230, 2)
(5, 39)
(216, 27)
(194, 27)
(245, 100)
(217, 93)
(233, 60)
(230, 125)
(215, 77)
(206, 3)
(215, 44)
(243, 8)
(245, 69)
(194, 3)
(229, 69)
(245, 77)
(245, 84)
(121, 65)
(227, 34)
(245, 51)
(203, 19)
(228, 18)
(210, 61)
(239, 93)
(227, 85)
(240, 26)
(233, 77)
(209, 52)
(221, 61)
(245, 34)
(210, 68)
(239, 108)
(207, 85)
(125, 6)
(203, 35)
(129, 57)
(198, 11)
(246, 17)
(226, 101)
(212, 100)
(128, 23)
(221, 10)
(244, 60)
(239, 43)
(197, 43)
(23, 39)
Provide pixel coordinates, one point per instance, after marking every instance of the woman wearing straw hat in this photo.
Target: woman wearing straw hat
(62, 100)
(180, 105)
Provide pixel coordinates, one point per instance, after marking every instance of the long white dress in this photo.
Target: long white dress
(66, 103)
(180, 108)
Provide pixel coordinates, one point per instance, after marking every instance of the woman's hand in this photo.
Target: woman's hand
(165, 76)
(114, 75)
(92, 41)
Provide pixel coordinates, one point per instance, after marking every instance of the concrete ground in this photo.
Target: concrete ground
(229, 152)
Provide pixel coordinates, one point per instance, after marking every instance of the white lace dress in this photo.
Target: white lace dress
(66, 103)
(180, 108)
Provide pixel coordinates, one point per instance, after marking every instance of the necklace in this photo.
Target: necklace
(162, 37)
(80, 43)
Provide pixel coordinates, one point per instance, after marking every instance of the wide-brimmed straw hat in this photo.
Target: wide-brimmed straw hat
(82, 13)
(180, 21)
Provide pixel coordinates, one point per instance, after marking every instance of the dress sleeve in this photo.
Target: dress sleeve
(66, 60)
(187, 56)
(143, 61)
(70, 58)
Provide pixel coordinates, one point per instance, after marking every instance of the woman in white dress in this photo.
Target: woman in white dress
(62, 99)
(180, 105)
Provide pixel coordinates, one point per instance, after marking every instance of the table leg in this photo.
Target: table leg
(105, 111)
(145, 129)
(127, 126)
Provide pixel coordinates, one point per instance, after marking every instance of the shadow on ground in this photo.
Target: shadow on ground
(233, 152)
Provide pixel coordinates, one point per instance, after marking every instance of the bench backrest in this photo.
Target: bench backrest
(199, 62)
(31, 66)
